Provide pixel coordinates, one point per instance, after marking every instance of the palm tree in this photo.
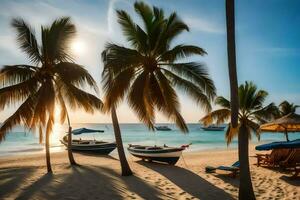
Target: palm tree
(148, 71)
(245, 188)
(286, 108)
(52, 80)
(251, 113)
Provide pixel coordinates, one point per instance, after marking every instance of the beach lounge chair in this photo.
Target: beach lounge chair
(274, 158)
(292, 161)
(234, 169)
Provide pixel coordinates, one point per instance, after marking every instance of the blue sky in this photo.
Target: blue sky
(268, 42)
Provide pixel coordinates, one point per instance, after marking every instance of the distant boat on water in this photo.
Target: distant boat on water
(213, 128)
(162, 128)
(163, 154)
(89, 146)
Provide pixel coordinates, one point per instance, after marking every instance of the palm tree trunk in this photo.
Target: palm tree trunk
(246, 189)
(70, 153)
(126, 171)
(230, 22)
(49, 169)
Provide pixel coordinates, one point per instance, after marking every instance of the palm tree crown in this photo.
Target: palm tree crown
(251, 110)
(286, 108)
(148, 71)
(51, 79)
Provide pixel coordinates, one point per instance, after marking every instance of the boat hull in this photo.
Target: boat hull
(104, 148)
(162, 128)
(213, 129)
(170, 155)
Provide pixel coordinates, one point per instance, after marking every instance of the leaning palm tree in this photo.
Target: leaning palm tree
(51, 80)
(286, 108)
(251, 114)
(147, 72)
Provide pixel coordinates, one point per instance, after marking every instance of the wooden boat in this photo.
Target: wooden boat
(163, 154)
(213, 128)
(90, 146)
(162, 128)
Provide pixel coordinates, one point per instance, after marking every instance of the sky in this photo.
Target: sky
(267, 42)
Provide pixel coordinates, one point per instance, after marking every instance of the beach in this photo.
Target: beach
(98, 177)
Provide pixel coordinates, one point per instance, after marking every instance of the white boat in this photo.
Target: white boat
(164, 153)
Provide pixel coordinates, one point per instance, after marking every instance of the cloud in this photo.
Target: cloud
(203, 25)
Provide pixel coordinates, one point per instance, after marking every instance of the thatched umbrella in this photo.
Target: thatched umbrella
(285, 124)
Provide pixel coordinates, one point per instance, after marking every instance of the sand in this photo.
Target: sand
(24, 177)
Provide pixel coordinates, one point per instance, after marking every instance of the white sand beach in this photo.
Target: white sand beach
(98, 177)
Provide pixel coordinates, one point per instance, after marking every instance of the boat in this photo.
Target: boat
(89, 146)
(213, 128)
(163, 154)
(162, 128)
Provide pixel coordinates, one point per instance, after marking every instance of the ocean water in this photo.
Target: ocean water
(21, 141)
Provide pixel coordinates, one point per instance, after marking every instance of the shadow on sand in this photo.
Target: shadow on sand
(12, 178)
(290, 180)
(89, 182)
(227, 179)
(188, 181)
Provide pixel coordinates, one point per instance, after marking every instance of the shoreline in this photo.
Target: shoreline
(98, 177)
(54, 149)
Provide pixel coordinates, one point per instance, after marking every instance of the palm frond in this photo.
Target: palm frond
(286, 108)
(14, 74)
(254, 127)
(181, 51)
(223, 102)
(45, 98)
(18, 92)
(174, 27)
(190, 88)
(116, 86)
(23, 114)
(179, 121)
(27, 40)
(196, 73)
(134, 34)
(75, 74)
(56, 38)
(146, 14)
(219, 116)
(231, 133)
(265, 114)
(140, 101)
(63, 107)
(172, 105)
(259, 99)
(117, 58)
(78, 98)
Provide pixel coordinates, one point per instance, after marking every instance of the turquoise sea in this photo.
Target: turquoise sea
(21, 141)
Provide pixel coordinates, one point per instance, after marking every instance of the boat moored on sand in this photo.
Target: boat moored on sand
(163, 154)
(89, 146)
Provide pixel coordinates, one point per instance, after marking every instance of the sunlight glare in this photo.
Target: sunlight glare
(77, 47)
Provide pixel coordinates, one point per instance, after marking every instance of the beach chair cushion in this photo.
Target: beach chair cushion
(228, 168)
(233, 168)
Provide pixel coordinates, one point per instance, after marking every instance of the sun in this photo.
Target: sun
(78, 47)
